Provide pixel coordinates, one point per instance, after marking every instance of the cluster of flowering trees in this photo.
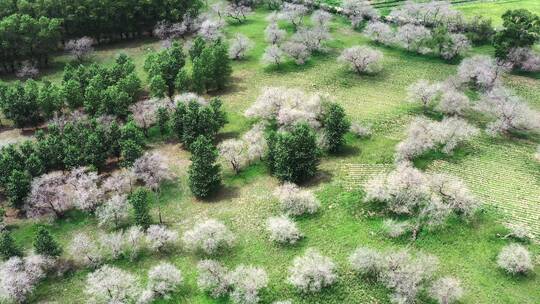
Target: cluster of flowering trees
(303, 42)
(428, 198)
(420, 39)
(424, 135)
(111, 284)
(406, 274)
(507, 111)
(298, 127)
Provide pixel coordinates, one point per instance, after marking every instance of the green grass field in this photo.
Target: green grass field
(495, 8)
(500, 172)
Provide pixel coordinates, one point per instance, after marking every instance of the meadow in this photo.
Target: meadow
(501, 172)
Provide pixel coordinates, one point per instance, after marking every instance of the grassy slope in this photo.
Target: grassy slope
(495, 9)
(466, 250)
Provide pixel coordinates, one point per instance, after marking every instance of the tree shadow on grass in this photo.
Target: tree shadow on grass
(456, 157)
(289, 67)
(234, 23)
(533, 75)
(225, 193)
(321, 177)
(346, 151)
(347, 78)
(226, 135)
(234, 86)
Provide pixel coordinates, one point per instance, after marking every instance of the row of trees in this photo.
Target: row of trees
(96, 89)
(436, 26)
(420, 39)
(406, 274)
(513, 43)
(34, 30)
(82, 143)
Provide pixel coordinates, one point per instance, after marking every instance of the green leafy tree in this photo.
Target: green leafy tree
(131, 84)
(197, 47)
(177, 120)
(51, 148)
(335, 125)
(204, 172)
(271, 135)
(521, 29)
(113, 139)
(2, 214)
(163, 119)
(221, 65)
(131, 143)
(95, 150)
(158, 87)
(211, 68)
(8, 247)
(130, 131)
(140, 200)
(10, 160)
(94, 95)
(296, 155)
(34, 165)
(193, 120)
(182, 81)
(202, 71)
(73, 156)
(115, 102)
(131, 151)
(18, 187)
(73, 94)
(21, 104)
(122, 68)
(50, 99)
(166, 64)
(45, 244)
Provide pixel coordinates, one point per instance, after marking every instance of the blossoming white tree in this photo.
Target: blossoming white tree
(239, 47)
(362, 59)
(283, 230)
(312, 271)
(209, 236)
(246, 281)
(109, 284)
(295, 201)
(163, 279)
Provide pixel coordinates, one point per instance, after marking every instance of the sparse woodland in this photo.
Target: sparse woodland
(269, 152)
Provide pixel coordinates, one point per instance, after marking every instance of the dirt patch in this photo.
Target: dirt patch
(176, 157)
(13, 136)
